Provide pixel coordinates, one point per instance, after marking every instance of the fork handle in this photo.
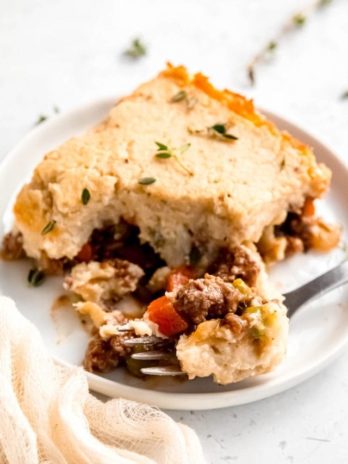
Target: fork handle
(316, 288)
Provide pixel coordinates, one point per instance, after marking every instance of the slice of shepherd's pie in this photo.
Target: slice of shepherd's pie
(170, 201)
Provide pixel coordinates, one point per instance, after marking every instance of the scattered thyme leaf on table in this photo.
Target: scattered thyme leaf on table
(137, 49)
(36, 277)
(43, 117)
(40, 119)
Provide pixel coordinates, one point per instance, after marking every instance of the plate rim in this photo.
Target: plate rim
(196, 401)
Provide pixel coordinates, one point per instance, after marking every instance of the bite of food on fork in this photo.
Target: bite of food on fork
(207, 325)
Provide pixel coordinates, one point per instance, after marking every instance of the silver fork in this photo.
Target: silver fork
(294, 300)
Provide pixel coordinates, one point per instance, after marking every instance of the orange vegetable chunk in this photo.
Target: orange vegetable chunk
(162, 312)
(179, 276)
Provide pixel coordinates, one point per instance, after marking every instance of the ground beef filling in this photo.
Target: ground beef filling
(212, 296)
(206, 298)
(12, 247)
(237, 263)
(53, 266)
(307, 232)
(122, 241)
(105, 355)
(128, 274)
(300, 232)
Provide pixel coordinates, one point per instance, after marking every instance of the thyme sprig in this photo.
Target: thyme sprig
(218, 131)
(165, 152)
(295, 22)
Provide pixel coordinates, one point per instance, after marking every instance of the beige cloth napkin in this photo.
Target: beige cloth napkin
(48, 416)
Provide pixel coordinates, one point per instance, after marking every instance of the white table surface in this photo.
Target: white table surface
(68, 52)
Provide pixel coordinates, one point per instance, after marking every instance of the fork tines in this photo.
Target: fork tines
(163, 352)
(162, 371)
(151, 355)
(149, 340)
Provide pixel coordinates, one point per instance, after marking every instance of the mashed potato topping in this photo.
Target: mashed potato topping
(234, 351)
(224, 175)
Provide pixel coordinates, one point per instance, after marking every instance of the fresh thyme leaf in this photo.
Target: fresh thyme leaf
(178, 97)
(146, 180)
(161, 146)
(221, 130)
(36, 277)
(163, 154)
(48, 227)
(163, 151)
(137, 49)
(230, 136)
(182, 95)
(272, 45)
(344, 95)
(41, 118)
(85, 196)
(299, 19)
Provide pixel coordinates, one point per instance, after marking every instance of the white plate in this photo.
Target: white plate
(317, 335)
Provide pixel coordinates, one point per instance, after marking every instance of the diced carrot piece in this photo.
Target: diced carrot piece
(308, 207)
(179, 276)
(85, 254)
(162, 312)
